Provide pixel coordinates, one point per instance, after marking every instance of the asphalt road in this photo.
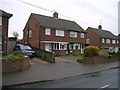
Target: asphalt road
(104, 79)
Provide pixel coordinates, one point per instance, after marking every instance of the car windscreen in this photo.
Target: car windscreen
(25, 47)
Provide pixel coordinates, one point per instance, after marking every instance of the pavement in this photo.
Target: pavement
(65, 67)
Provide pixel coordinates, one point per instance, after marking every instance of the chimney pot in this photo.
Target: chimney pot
(100, 27)
(55, 15)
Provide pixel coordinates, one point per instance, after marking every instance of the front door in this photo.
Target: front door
(48, 47)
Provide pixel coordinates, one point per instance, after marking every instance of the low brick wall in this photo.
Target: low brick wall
(15, 65)
(100, 59)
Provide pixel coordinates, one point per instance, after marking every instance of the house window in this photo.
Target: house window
(30, 33)
(76, 46)
(60, 46)
(113, 41)
(107, 40)
(87, 41)
(73, 34)
(59, 33)
(82, 35)
(47, 31)
(103, 40)
(117, 41)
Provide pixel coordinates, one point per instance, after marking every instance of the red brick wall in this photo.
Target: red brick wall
(94, 38)
(5, 34)
(66, 37)
(14, 65)
(110, 44)
(35, 27)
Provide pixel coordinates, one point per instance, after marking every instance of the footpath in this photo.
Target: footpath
(65, 66)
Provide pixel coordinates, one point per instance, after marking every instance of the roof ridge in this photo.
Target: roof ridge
(53, 17)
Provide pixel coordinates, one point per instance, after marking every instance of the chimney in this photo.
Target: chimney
(100, 27)
(55, 15)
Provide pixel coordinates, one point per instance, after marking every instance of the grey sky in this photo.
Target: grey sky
(87, 13)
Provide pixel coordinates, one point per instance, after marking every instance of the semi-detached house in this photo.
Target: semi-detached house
(103, 39)
(54, 34)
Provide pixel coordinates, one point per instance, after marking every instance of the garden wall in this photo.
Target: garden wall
(100, 59)
(15, 65)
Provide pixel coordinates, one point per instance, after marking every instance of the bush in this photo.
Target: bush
(75, 54)
(103, 53)
(82, 59)
(116, 53)
(90, 51)
(17, 55)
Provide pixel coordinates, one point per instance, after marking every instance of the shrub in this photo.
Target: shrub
(82, 59)
(116, 53)
(75, 54)
(17, 55)
(90, 51)
(103, 53)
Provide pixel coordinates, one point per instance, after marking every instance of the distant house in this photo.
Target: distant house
(54, 34)
(4, 21)
(102, 38)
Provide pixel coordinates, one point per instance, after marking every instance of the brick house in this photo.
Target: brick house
(54, 34)
(4, 21)
(102, 38)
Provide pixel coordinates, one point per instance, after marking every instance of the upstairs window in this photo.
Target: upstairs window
(73, 34)
(107, 40)
(82, 35)
(47, 31)
(59, 33)
(103, 40)
(113, 41)
(30, 33)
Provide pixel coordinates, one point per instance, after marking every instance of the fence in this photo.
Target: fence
(44, 55)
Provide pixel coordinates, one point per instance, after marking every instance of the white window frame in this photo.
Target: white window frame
(82, 35)
(87, 41)
(113, 41)
(60, 46)
(30, 33)
(73, 34)
(47, 31)
(108, 41)
(103, 40)
(60, 33)
(117, 41)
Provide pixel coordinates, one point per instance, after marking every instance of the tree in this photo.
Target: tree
(15, 34)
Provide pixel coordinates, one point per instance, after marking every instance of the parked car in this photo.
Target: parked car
(25, 49)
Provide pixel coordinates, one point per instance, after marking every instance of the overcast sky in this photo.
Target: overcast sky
(87, 13)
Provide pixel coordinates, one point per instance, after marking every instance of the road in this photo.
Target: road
(104, 79)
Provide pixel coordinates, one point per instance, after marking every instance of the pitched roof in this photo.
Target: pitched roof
(51, 22)
(3, 13)
(104, 33)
